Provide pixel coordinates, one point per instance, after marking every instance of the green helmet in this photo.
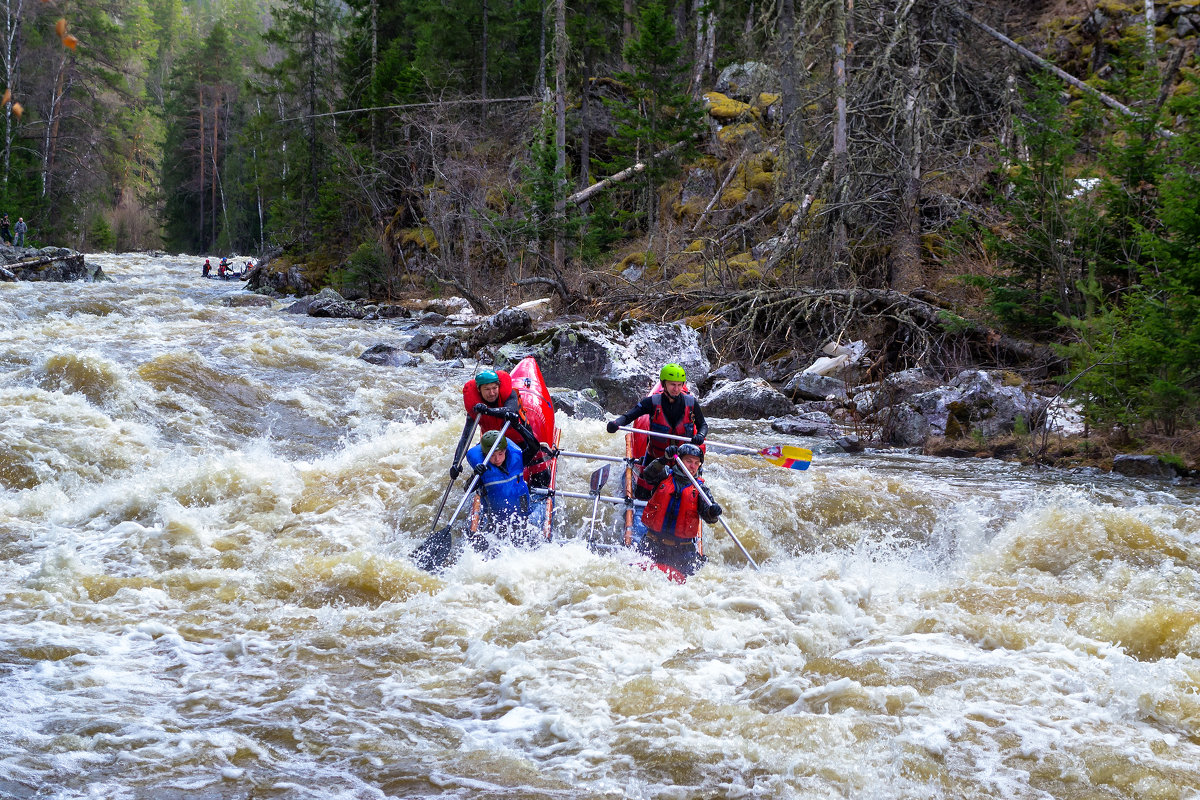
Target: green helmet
(672, 372)
(488, 440)
(486, 377)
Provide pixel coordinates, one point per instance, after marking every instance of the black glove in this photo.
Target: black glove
(612, 426)
(455, 471)
(479, 469)
(672, 451)
(480, 408)
(512, 416)
(698, 439)
(551, 452)
(710, 513)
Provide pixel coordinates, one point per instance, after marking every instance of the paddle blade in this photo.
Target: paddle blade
(787, 456)
(436, 552)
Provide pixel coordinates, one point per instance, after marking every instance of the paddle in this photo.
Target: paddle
(599, 478)
(779, 455)
(433, 554)
(708, 502)
(450, 484)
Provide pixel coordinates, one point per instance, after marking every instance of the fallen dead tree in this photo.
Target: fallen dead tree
(906, 331)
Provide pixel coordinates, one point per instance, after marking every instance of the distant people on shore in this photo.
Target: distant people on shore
(5, 229)
(20, 229)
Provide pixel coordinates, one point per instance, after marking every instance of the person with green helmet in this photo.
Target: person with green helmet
(672, 410)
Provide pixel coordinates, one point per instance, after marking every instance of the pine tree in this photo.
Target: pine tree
(658, 120)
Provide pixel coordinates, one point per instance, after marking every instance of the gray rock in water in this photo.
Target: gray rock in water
(418, 342)
(904, 426)
(501, 327)
(810, 386)
(329, 303)
(446, 347)
(57, 264)
(578, 404)
(812, 423)
(621, 362)
(385, 355)
(850, 443)
(752, 398)
(1143, 466)
(300, 306)
(728, 372)
(247, 301)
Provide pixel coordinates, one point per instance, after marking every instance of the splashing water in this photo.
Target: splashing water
(205, 528)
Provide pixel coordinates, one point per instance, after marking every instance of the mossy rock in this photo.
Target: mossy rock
(632, 260)
(733, 196)
(765, 100)
(934, 244)
(760, 173)
(724, 108)
(742, 260)
(738, 133)
(423, 238)
(693, 207)
(749, 278)
(700, 321)
(697, 246)
(686, 280)
(1012, 379)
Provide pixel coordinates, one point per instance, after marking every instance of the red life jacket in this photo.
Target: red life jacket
(656, 447)
(487, 422)
(674, 509)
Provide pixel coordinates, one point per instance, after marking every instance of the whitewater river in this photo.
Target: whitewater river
(205, 522)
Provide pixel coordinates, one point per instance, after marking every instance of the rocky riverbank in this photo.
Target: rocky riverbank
(601, 369)
(46, 264)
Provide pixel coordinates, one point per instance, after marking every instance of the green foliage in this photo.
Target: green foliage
(1138, 357)
(365, 269)
(1044, 242)
(100, 236)
(657, 113)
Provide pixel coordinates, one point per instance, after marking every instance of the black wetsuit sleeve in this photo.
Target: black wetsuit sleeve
(463, 442)
(656, 471)
(698, 418)
(644, 406)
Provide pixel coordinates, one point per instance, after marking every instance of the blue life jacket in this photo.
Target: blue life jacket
(504, 489)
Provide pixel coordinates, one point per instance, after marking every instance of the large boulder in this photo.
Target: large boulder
(57, 264)
(747, 80)
(620, 361)
(974, 402)
(501, 327)
(248, 301)
(807, 423)
(1143, 466)
(811, 386)
(328, 303)
(752, 398)
(385, 355)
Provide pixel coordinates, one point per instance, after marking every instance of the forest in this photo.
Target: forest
(999, 182)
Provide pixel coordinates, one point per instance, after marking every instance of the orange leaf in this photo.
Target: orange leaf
(70, 41)
(7, 97)
(60, 27)
(18, 109)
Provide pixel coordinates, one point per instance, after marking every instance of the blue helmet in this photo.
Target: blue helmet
(486, 377)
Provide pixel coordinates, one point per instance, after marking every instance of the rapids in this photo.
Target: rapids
(205, 523)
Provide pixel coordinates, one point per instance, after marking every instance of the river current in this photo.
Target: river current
(206, 518)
